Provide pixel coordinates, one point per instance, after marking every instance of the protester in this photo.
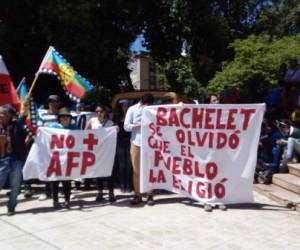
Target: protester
(214, 99)
(132, 124)
(102, 121)
(123, 149)
(13, 152)
(291, 144)
(64, 122)
(169, 98)
(46, 119)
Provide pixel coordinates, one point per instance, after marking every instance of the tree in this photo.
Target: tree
(94, 36)
(255, 68)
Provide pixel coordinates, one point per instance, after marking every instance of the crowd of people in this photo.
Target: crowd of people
(15, 144)
(278, 145)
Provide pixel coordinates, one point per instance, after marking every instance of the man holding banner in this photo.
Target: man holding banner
(133, 123)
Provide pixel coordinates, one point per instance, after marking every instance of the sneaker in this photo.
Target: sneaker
(56, 204)
(99, 197)
(150, 200)
(207, 207)
(137, 199)
(10, 212)
(111, 197)
(223, 207)
(43, 197)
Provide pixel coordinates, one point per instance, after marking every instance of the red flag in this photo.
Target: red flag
(8, 94)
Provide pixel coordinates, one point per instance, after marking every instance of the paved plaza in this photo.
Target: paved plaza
(173, 223)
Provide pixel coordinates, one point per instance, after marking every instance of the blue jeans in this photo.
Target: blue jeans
(13, 170)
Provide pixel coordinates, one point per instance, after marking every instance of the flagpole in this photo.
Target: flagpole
(50, 49)
(32, 84)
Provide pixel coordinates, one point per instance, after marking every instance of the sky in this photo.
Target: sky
(137, 44)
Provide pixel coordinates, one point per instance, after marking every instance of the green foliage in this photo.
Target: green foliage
(99, 95)
(256, 65)
(180, 78)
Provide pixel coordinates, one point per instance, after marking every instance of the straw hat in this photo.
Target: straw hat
(64, 112)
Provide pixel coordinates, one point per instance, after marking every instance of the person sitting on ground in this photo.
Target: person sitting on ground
(291, 144)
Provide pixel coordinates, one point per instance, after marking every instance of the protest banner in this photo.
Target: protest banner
(206, 152)
(61, 154)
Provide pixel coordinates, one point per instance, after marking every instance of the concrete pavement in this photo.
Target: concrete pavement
(173, 223)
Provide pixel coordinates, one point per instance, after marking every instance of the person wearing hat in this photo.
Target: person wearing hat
(64, 122)
(169, 98)
(46, 119)
(50, 116)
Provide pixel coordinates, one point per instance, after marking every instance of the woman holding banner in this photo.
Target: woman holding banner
(102, 121)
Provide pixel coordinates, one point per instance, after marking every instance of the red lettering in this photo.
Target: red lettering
(190, 140)
(157, 158)
(198, 171)
(88, 160)
(161, 177)
(70, 141)
(199, 191)
(187, 167)
(176, 182)
(70, 162)
(176, 167)
(211, 138)
(152, 178)
(56, 141)
(173, 119)
(208, 118)
(247, 115)
(197, 118)
(160, 114)
(54, 165)
(231, 118)
(152, 128)
(180, 135)
(211, 170)
(182, 113)
(221, 140)
(219, 124)
(202, 140)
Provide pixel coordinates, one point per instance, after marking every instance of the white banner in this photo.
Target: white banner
(61, 154)
(206, 152)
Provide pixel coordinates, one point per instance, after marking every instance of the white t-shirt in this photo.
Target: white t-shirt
(95, 123)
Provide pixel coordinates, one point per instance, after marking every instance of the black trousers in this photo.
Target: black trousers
(66, 189)
(110, 184)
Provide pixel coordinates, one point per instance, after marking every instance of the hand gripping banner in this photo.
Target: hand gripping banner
(205, 152)
(60, 154)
